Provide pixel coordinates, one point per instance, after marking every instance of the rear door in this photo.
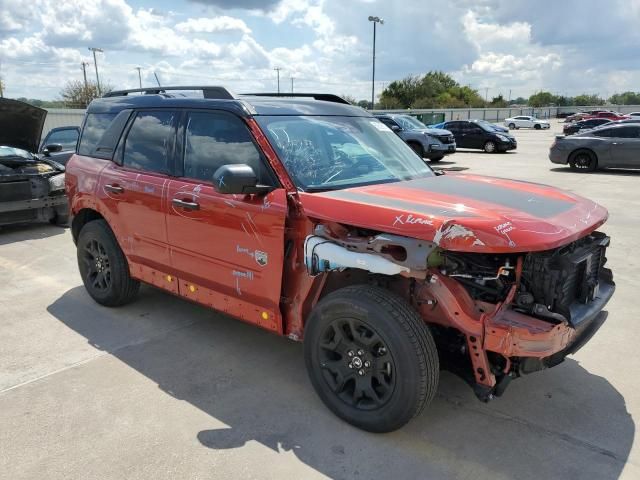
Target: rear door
(227, 250)
(133, 189)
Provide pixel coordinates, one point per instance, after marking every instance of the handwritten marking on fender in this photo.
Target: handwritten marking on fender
(411, 220)
(504, 229)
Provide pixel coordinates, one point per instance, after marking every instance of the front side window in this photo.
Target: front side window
(625, 132)
(216, 139)
(94, 127)
(150, 141)
(331, 152)
(67, 138)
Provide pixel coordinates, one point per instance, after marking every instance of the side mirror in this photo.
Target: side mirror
(52, 148)
(395, 128)
(238, 178)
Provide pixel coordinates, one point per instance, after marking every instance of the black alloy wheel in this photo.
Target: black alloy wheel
(103, 266)
(356, 364)
(583, 161)
(97, 265)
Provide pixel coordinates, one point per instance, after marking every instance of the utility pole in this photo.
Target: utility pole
(375, 20)
(486, 95)
(139, 76)
(509, 95)
(277, 69)
(291, 84)
(1, 83)
(84, 74)
(95, 62)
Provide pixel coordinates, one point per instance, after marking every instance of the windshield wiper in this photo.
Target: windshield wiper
(320, 188)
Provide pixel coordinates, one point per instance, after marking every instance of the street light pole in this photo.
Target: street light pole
(373, 73)
(95, 62)
(139, 76)
(277, 69)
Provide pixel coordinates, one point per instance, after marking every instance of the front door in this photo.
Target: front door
(227, 250)
(134, 190)
(625, 146)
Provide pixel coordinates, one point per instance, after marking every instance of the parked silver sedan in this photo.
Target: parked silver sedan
(608, 146)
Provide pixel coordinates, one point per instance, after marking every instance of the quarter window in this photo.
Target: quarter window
(150, 141)
(94, 127)
(216, 139)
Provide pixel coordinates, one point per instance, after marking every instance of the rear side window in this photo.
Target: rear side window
(94, 127)
(150, 141)
(216, 139)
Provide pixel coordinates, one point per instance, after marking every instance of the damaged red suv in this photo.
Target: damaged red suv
(310, 218)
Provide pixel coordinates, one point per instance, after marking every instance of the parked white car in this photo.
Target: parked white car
(524, 121)
(633, 114)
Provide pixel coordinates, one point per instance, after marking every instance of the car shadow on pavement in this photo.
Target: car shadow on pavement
(608, 171)
(34, 231)
(560, 423)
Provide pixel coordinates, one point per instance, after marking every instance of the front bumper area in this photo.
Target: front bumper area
(33, 210)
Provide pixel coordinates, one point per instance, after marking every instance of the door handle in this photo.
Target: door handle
(185, 204)
(114, 188)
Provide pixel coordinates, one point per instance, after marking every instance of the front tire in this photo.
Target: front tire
(370, 357)
(489, 147)
(436, 159)
(512, 126)
(537, 126)
(583, 161)
(103, 266)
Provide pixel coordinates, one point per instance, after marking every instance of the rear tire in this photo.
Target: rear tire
(103, 267)
(436, 159)
(489, 147)
(416, 147)
(370, 357)
(583, 161)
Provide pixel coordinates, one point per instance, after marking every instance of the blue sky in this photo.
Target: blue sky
(520, 46)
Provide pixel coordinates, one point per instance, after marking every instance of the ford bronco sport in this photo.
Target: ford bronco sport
(310, 218)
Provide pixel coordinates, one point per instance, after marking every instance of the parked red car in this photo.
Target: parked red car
(609, 115)
(312, 219)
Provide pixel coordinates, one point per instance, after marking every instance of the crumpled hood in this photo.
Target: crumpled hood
(21, 124)
(462, 212)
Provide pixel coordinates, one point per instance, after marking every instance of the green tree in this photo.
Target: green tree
(518, 101)
(352, 100)
(498, 102)
(76, 95)
(586, 100)
(364, 104)
(432, 90)
(625, 98)
(542, 99)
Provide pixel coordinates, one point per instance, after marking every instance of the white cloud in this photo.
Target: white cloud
(213, 24)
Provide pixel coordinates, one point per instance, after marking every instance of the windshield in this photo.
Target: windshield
(329, 153)
(409, 123)
(15, 152)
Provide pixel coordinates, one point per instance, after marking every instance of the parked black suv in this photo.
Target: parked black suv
(477, 135)
(575, 127)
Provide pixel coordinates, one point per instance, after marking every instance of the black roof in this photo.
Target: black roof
(218, 98)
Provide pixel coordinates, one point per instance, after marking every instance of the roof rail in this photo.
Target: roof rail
(326, 97)
(208, 92)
